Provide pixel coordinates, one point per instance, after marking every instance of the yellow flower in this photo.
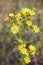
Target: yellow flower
(29, 23)
(32, 12)
(14, 29)
(11, 14)
(18, 15)
(27, 54)
(34, 9)
(21, 46)
(19, 23)
(24, 11)
(22, 49)
(18, 18)
(36, 29)
(7, 19)
(27, 59)
(32, 49)
(20, 40)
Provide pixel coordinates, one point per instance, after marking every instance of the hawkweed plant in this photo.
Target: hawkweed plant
(22, 27)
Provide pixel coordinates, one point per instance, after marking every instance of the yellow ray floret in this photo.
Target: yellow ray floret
(22, 49)
(18, 18)
(24, 11)
(34, 9)
(11, 14)
(32, 49)
(20, 40)
(19, 22)
(27, 59)
(14, 29)
(7, 19)
(32, 12)
(21, 46)
(18, 15)
(29, 23)
(36, 29)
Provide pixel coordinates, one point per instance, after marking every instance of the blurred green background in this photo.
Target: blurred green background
(7, 40)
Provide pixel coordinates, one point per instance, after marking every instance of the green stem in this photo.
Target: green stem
(22, 61)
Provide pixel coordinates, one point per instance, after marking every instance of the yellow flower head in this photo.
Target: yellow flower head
(14, 29)
(32, 49)
(21, 46)
(32, 12)
(22, 49)
(19, 22)
(34, 9)
(18, 15)
(7, 19)
(11, 14)
(29, 23)
(24, 11)
(18, 18)
(27, 60)
(36, 29)
(20, 41)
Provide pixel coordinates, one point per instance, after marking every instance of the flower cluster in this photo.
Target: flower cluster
(18, 23)
(26, 51)
(24, 17)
